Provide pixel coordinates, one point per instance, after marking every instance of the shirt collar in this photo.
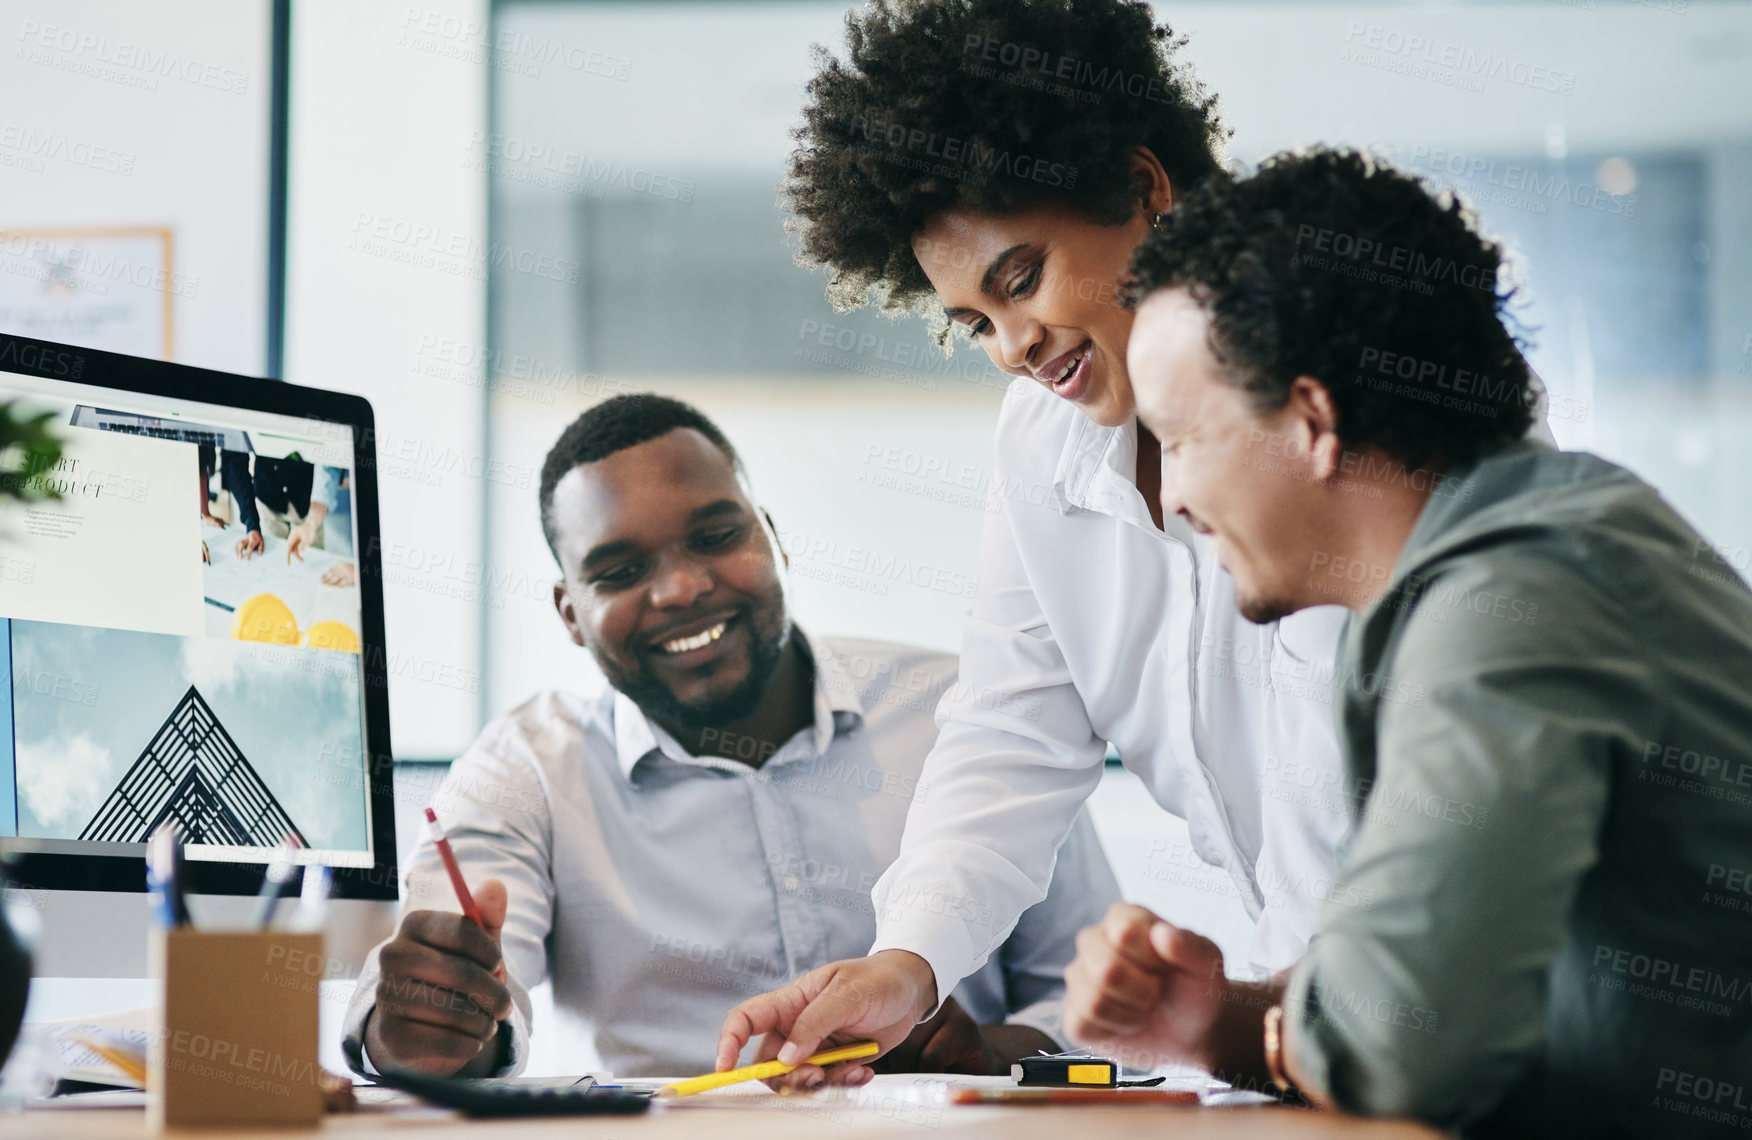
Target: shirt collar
(837, 711)
(1087, 450)
(1097, 471)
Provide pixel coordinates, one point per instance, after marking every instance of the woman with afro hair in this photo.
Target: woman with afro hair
(991, 165)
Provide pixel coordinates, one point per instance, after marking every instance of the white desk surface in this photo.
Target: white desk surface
(891, 1106)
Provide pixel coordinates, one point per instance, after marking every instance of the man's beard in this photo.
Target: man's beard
(1262, 611)
(658, 702)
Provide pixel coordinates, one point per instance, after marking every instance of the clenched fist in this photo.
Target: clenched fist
(1144, 990)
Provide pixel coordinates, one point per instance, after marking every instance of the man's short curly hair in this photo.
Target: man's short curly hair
(1328, 264)
(615, 425)
(987, 105)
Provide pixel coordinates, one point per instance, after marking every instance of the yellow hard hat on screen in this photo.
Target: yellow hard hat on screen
(265, 618)
(332, 635)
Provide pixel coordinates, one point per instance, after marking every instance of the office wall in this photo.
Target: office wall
(386, 259)
(123, 114)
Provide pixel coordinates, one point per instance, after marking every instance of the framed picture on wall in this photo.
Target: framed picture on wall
(103, 287)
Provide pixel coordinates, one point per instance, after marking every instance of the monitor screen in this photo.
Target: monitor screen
(181, 617)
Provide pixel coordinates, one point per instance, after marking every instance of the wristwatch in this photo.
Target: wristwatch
(1274, 1050)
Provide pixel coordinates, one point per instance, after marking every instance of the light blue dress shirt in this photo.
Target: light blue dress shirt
(658, 889)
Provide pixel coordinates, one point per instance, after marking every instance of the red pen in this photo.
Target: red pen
(440, 841)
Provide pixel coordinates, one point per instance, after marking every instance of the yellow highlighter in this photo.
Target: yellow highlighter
(130, 1065)
(767, 1069)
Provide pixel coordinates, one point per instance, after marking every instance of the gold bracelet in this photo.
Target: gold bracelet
(1274, 1049)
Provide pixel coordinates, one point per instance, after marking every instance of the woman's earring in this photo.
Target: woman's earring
(1157, 220)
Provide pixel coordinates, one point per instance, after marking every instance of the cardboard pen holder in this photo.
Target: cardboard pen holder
(237, 1043)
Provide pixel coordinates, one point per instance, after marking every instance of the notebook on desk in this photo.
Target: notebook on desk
(71, 1058)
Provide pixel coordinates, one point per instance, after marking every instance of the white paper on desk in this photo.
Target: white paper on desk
(920, 1098)
(72, 1061)
(886, 1096)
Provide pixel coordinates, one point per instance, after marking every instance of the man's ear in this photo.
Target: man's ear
(1316, 419)
(567, 611)
(773, 528)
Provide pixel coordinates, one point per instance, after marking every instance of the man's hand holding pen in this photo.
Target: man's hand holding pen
(442, 995)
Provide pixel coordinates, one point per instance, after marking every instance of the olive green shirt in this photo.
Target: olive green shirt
(1547, 720)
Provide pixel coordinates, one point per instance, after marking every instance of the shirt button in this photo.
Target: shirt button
(791, 883)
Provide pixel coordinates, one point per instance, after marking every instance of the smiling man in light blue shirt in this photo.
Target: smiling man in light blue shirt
(708, 827)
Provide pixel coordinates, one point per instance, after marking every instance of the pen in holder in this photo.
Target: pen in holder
(238, 1041)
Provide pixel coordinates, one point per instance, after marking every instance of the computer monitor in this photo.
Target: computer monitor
(222, 668)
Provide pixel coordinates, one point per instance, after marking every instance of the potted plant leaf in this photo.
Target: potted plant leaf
(27, 448)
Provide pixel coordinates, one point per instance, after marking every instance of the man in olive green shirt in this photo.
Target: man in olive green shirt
(1545, 694)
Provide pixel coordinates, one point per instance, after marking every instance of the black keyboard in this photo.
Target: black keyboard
(508, 1097)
